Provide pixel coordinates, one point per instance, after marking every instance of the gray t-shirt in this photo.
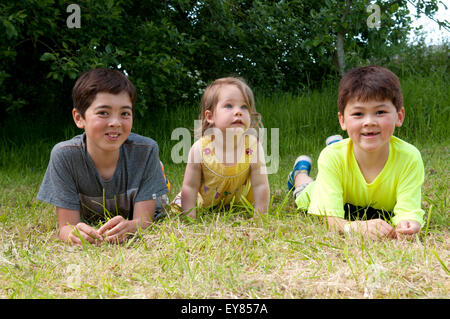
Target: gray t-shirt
(73, 182)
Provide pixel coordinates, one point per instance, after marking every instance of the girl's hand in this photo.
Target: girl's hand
(116, 229)
(192, 214)
(89, 233)
(407, 229)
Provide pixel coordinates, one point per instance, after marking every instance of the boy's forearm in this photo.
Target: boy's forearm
(143, 215)
(340, 224)
(136, 223)
(67, 220)
(373, 228)
(64, 232)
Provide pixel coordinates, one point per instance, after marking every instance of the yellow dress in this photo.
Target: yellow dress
(220, 184)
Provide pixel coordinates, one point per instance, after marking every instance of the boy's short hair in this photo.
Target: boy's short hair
(100, 80)
(367, 83)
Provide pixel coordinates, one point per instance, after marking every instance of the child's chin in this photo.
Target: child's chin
(371, 148)
(236, 130)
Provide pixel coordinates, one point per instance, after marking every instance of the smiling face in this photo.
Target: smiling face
(231, 110)
(370, 124)
(107, 123)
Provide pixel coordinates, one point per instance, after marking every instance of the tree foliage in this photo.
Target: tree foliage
(171, 49)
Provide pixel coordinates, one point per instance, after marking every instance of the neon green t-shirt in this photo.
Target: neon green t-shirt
(396, 189)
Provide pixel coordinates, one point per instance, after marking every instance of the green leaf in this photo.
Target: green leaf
(47, 56)
(11, 31)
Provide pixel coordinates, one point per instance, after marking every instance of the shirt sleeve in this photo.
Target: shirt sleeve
(153, 184)
(409, 193)
(58, 186)
(327, 195)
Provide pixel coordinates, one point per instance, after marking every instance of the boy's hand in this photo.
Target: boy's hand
(376, 229)
(87, 232)
(407, 228)
(116, 229)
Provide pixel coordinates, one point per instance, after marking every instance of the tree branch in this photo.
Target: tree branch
(444, 23)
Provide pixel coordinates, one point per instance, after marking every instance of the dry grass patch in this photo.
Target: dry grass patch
(225, 254)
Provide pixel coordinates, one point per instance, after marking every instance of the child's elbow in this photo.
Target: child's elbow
(188, 191)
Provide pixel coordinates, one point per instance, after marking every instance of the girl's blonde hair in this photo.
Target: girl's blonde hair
(210, 99)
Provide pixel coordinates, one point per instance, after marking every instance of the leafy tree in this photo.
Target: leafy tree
(355, 33)
(40, 56)
(171, 49)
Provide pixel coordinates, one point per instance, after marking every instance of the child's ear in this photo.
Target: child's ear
(341, 121)
(209, 116)
(400, 117)
(78, 118)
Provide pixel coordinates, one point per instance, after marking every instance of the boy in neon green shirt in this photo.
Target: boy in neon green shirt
(372, 174)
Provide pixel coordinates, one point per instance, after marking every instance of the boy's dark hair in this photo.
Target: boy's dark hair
(100, 80)
(367, 83)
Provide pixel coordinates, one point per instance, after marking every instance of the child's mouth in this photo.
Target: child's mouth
(370, 134)
(112, 136)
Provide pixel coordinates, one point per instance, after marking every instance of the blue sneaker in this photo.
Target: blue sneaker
(333, 139)
(302, 164)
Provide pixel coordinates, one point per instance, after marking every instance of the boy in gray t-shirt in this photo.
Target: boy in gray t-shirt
(107, 171)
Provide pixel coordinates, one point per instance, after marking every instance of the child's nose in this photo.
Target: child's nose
(369, 120)
(114, 121)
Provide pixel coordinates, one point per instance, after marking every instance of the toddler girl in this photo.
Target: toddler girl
(227, 163)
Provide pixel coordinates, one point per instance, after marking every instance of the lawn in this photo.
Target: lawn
(226, 254)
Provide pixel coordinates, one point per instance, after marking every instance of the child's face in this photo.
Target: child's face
(371, 124)
(107, 122)
(231, 110)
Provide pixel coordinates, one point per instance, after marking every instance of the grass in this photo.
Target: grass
(225, 254)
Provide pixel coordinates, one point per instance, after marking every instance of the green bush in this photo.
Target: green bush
(171, 49)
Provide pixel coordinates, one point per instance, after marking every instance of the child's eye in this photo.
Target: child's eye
(244, 107)
(380, 112)
(357, 114)
(126, 114)
(102, 113)
(228, 106)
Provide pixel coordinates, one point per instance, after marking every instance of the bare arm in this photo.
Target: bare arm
(374, 228)
(191, 181)
(260, 183)
(69, 224)
(143, 214)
